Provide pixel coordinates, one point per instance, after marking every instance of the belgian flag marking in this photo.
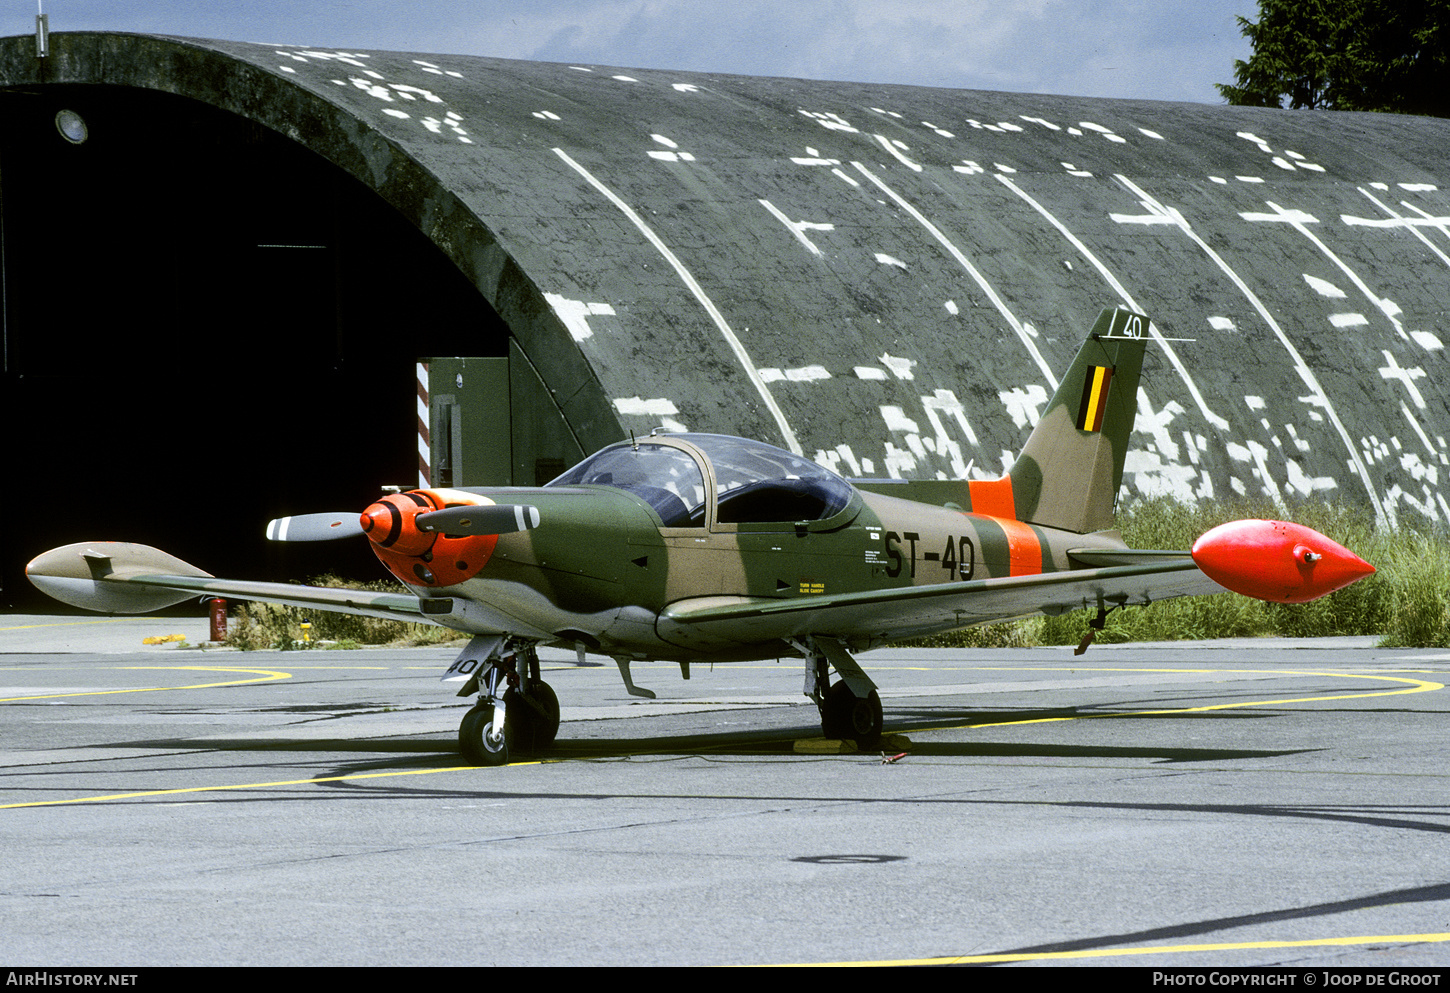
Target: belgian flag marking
(1094, 398)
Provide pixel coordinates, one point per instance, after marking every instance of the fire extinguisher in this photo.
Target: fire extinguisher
(218, 620)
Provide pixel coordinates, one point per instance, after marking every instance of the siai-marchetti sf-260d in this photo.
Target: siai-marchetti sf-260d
(708, 548)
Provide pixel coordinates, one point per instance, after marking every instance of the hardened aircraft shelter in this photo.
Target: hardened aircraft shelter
(225, 264)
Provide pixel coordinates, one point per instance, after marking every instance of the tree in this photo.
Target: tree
(1294, 43)
(1381, 55)
(1397, 58)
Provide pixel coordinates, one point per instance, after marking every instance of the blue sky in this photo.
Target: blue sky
(1151, 49)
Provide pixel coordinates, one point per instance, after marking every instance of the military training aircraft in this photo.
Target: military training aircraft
(707, 548)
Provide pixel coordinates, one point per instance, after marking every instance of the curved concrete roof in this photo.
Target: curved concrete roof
(890, 278)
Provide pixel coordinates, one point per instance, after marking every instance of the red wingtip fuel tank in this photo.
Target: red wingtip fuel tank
(1276, 561)
(419, 557)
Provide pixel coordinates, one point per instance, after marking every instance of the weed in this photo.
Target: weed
(1023, 633)
(268, 625)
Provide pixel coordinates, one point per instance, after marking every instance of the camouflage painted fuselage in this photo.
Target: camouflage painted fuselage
(604, 570)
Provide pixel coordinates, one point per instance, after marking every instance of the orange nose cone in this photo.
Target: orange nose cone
(389, 523)
(378, 520)
(1277, 561)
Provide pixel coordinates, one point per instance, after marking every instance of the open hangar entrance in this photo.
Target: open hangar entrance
(205, 325)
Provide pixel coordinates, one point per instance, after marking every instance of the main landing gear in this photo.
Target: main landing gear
(850, 707)
(517, 712)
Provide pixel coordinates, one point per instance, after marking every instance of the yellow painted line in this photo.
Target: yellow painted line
(1154, 950)
(346, 668)
(251, 786)
(263, 676)
(70, 624)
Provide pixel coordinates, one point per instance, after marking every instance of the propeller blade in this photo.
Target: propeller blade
(315, 527)
(503, 518)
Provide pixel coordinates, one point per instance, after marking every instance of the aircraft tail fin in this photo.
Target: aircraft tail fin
(1069, 473)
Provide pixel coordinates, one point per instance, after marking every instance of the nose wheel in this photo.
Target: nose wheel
(517, 713)
(479, 737)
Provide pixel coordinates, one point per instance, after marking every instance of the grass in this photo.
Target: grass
(268, 625)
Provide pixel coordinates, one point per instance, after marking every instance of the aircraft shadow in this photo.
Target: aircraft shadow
(930, 726)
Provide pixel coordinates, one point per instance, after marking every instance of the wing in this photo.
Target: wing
(1113, 577)
(127, 578)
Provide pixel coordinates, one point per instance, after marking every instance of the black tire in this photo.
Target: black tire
(473, 740)
(533, 730)
(847, 715)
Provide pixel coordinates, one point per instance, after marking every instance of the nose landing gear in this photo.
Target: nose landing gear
(517, 713)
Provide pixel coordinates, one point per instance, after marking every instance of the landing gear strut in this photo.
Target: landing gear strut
(850, 707)
(517, 713)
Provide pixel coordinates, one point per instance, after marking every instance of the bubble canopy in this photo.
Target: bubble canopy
(748, 482)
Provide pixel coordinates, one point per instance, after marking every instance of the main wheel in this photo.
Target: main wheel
(847, 715)
(534, 729)
(475, 740)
